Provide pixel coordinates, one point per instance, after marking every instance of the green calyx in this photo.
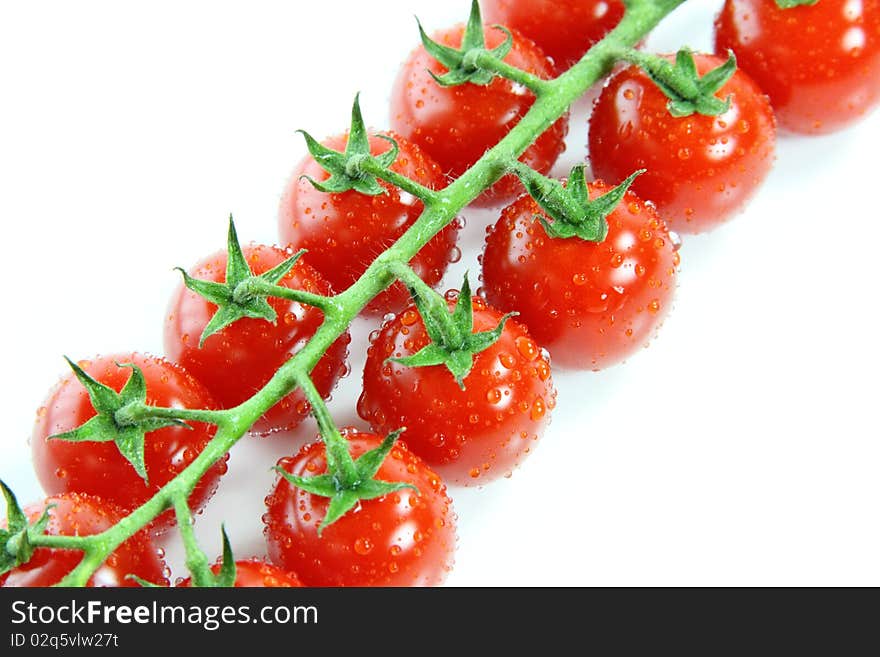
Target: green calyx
(570, 207)
(16, 540)
(348, 170)
(346, 484)
(202, 574)
(453, 342)
(688, 93)
(117, 419)
(462, 63)
(788, 4)
(242, 294)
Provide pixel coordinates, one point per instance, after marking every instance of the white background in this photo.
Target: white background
(740, 448)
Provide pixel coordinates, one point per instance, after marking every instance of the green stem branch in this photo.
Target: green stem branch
(426, 195)
(255, 286)
(135, 412)
(487, 61)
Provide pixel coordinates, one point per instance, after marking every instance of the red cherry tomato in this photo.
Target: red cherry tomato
(400, 539)
(78, 514)
(99, 468)
(591, 304)
(237, 361)
(344, 233)
(256, 574)
(700, 169)
(456, 125)
(469, 436)
(820, 64)
(563, 30)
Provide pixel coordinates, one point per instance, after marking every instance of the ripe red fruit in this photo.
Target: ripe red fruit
(591, 304)
(98, 468)
(700, 169)
(471, 435)
(240, 359)
(820, 63)
(563, 29)
(343, 233)
(456, 125)
(78, 514)
(400, 539)
(256, 573)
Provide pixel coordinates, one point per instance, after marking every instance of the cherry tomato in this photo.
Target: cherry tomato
(400, 539)
(256, 574)
(344, 233)
(700, 169)
(469, 436)
(456, 125)
(563, 30)
(820, 64)
(78, 514)
(237, 361)
(591, 304)
(99, 468)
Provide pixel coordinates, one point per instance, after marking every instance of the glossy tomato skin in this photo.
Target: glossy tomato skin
(469, 436)
(819, 64)
(401, 539)
(456, 125)
(78, 514)
(237, 361)
(700, 169)
(99, 468)
(344, 233)
(563, 30)
(590, 304)
(256, 574)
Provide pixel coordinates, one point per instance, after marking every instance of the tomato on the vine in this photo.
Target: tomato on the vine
(99, 468)
(471, 435)
(404, 538)
(819, 63)
(563, 30)
(256, 574)
(235, 362)
(456, 125)
(79, 514)
(591, 304)
(700, 169)
(344, 232)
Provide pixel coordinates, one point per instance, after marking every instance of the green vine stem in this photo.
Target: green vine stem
(487, 61)
(553, 99)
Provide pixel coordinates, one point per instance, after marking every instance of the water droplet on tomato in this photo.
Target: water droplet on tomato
(538, 409)
(507, 360)
(526, 347)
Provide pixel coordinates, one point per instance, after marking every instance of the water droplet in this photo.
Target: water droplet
(538, 409)
(526, 347)
(507, 360)
(363, 546)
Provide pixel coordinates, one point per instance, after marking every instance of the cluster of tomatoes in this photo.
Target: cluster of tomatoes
(589, 304)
